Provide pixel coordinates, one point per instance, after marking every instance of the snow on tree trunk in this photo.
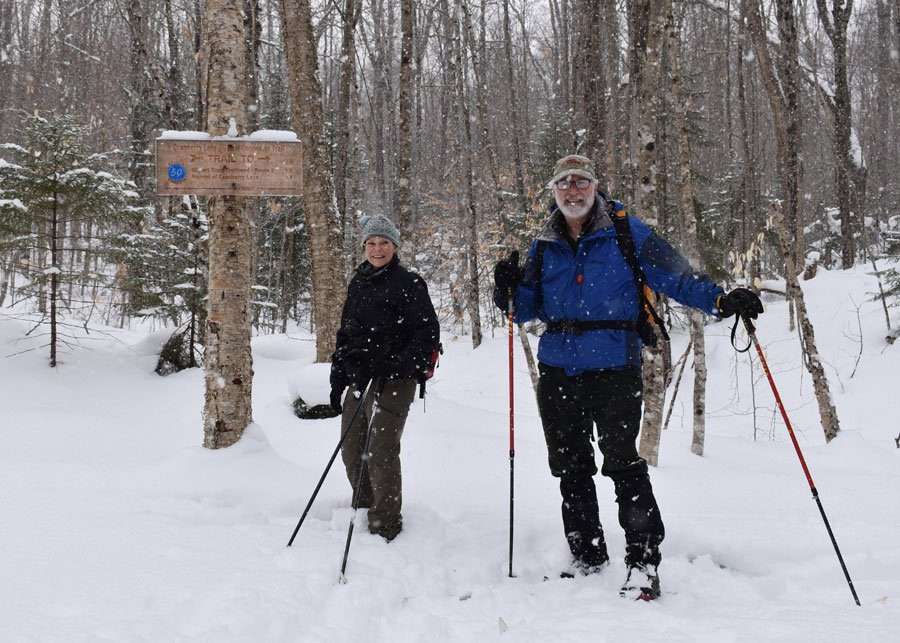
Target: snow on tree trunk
(322, 218)
(827, 412)
(228, 361)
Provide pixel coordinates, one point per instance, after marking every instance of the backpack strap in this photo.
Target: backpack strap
(538, 267)
(625, 241)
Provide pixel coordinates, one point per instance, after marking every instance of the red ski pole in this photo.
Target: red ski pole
(751, 331)
(512, 433)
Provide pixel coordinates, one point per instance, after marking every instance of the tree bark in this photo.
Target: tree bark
(780, 75)
(649, 54)
(836, 29)
(515, 129)
(139, 97)
(691, 243)
(347, 87)
(323, 221)
(590, 81)
(827, 412)
(404, 127)
(228, 360)
(470, 222)
(486, 140)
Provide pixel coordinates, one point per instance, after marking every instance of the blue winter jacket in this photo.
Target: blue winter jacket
(595, 283)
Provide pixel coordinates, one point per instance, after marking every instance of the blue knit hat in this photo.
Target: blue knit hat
(379, 226)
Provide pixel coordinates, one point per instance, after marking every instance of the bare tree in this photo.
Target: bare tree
(323, 221)
(404, 133)
(812, 361)
(690, 242)
(228, 361)
(590, 80)
(515, 120)
(649, 54)
(140, 96)
(467, 204)
(836, 27)
(780, 74)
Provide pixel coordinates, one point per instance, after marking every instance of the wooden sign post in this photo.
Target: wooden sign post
(239, 167)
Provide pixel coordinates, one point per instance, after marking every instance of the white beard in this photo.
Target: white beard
(575, 208)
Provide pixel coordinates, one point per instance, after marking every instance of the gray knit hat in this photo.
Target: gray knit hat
(379, 226)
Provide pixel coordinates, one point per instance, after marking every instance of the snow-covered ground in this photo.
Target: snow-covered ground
(115, 525)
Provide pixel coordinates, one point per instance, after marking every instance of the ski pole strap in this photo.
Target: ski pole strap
(750, 330)
(578, 326)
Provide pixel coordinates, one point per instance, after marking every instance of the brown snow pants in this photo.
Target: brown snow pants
(381, 488)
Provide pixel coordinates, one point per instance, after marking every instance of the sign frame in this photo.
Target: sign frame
(228, 167)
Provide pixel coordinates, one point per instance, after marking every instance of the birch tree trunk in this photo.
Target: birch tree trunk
(470, 217)
(404, 131)
(691, 243)
(836, 29)
(322, 219)
(780, 75)
(139, 97)
(649, 53)
(228, 361)
(827, 412)
(345, 148)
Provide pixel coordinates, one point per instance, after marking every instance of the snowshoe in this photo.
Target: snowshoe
(585, 567)
(388, 531)
(642, 583)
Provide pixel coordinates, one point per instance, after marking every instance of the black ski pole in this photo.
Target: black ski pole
(328, 467)
(512, 434)
(364, 459)
(751, 331)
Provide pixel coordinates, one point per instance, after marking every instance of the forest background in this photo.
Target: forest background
(759, 137)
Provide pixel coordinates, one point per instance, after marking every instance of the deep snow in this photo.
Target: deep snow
(118, 526)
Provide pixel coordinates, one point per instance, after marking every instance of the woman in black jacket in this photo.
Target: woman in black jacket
(388, 333)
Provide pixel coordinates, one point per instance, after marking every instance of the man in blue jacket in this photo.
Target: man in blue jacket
(584, 278)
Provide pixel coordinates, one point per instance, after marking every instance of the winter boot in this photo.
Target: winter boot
(591, 561)
(388, 530)
(642, 583)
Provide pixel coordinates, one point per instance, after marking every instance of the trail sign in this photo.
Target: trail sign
(239, 167)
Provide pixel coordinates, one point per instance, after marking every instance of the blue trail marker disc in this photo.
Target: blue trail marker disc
(177, 172)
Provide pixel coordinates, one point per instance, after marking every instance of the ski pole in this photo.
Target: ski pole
(328, 467)
(751, 331)
(512, 433)
(364, 459)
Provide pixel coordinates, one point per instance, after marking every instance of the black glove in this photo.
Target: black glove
(740, 301)
(335, 398)
(507, 276)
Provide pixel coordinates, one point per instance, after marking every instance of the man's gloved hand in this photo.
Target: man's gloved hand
(335, 398)
(507, 276)
(740, 301)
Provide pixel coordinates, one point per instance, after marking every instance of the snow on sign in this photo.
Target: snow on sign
(233, 166)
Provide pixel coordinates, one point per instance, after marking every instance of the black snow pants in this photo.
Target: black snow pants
(570, 406)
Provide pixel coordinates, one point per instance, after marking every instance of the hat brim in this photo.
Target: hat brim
(583, 173)
(382, 236)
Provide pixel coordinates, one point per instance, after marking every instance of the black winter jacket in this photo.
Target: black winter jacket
(388, 327)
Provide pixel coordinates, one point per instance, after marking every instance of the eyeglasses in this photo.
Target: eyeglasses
(565, 184)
